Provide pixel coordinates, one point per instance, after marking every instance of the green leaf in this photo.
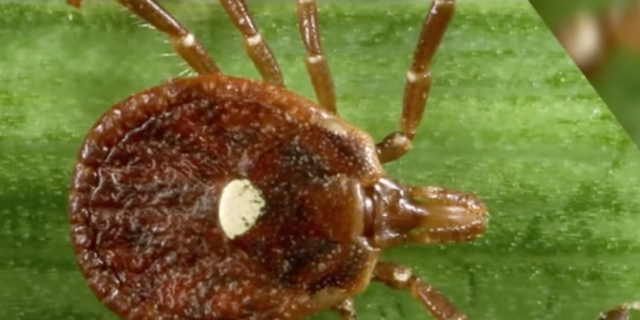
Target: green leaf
(509, 117)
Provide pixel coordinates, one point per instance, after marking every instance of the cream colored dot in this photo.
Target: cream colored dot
(402, 274)
(254, 40)
(241, 205)
(401, 140)
(315, 59)
(412, 76)
(188, 40)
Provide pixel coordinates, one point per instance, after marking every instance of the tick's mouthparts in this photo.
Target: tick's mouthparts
(398, 214)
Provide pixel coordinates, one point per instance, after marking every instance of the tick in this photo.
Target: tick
(216, 197)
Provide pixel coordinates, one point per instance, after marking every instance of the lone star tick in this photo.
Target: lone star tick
(215, 197)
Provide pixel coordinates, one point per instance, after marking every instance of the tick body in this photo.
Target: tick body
(215, 197)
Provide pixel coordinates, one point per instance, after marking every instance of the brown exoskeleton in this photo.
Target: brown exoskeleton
(216, 197)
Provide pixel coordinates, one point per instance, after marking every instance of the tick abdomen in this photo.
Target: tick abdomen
(144, 203)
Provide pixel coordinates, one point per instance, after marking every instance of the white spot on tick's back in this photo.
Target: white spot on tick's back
(240, 207)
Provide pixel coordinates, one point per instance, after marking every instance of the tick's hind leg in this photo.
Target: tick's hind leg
(418, 81)
(254, 45)
(620, 312)
(315, 60)
(401, 278)
(184, 42)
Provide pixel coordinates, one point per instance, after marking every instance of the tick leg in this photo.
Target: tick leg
(315, 60)
(620, 312)
(345, 310)
(418, 83)
(254, 45)
(184, 42)
(401, 278)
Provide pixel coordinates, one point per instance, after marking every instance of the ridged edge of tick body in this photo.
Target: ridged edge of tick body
(124, 117)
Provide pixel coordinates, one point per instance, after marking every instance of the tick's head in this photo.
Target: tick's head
(415, 214)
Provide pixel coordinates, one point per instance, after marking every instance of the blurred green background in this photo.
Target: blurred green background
(619, 83)
(510, 117)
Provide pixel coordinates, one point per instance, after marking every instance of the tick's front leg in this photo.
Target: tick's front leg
(401, 278)
(418, 82)
(184, 42)
(315, 60)
(254, 45)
